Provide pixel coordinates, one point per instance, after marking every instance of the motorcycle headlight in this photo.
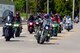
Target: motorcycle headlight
(8, 24)
(61, 22)
(37, 23)
(47, 27)
(30, 23)
(16, 25)
(53, 25)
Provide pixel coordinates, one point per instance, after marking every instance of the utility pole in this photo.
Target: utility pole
(12, 0)
(79, 10)
(36, 7)
(73, 9)
(26, 9)
(47, 6)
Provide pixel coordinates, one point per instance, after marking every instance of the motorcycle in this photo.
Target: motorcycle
(31, 27)
(38, 24)
(68, 26)
(43, 35)
(76, 20)
(60, 27)
(54, 29)
(17, 29)
(8, 31)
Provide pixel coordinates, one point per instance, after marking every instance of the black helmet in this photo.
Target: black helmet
(10, 13)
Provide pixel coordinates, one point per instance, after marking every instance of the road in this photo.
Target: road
(66, 42)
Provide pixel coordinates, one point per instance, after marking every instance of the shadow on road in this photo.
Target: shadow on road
(71, 31)
(23, 36)
(62, 33)
(54, 39)
(51, 44)
(16, 41)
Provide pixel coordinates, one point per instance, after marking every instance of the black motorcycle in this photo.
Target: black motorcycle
(8, 31)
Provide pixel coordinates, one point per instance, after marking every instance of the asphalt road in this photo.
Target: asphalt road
(66, 42)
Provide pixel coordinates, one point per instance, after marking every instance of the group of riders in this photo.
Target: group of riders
(44, 25)
(48, 25)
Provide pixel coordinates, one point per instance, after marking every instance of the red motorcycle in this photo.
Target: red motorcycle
(31, 27)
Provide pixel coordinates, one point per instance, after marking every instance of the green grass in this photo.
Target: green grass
(23, 15)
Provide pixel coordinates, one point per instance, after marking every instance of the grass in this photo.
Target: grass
(23, 15)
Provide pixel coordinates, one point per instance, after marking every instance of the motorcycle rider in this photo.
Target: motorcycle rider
(68, 20)
(57, 18)
(76, 19)
(18, 19)
(10, 19)
(47, 20)
(31, 19)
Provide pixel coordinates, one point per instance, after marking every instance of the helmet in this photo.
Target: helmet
(10, 13)
(46, 16)
(17, 13)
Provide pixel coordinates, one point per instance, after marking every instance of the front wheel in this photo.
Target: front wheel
(41, 38)
(7, 36)
(17, 33)
(30, 32)
(68, 30)
(55, 35)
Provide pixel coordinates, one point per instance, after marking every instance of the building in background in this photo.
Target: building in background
(5, 6)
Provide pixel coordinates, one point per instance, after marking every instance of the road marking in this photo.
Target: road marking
(1, 37)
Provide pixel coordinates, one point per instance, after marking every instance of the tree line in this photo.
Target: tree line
(63, 7)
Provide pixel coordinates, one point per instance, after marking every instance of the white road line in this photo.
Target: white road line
(1, 37)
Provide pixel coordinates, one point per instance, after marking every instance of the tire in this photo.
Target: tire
(30, 32)
(68, 30)
(40, 39)
(7, 35)
(17, 33)
(55, 35)
(59, 30)
(7, 38)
